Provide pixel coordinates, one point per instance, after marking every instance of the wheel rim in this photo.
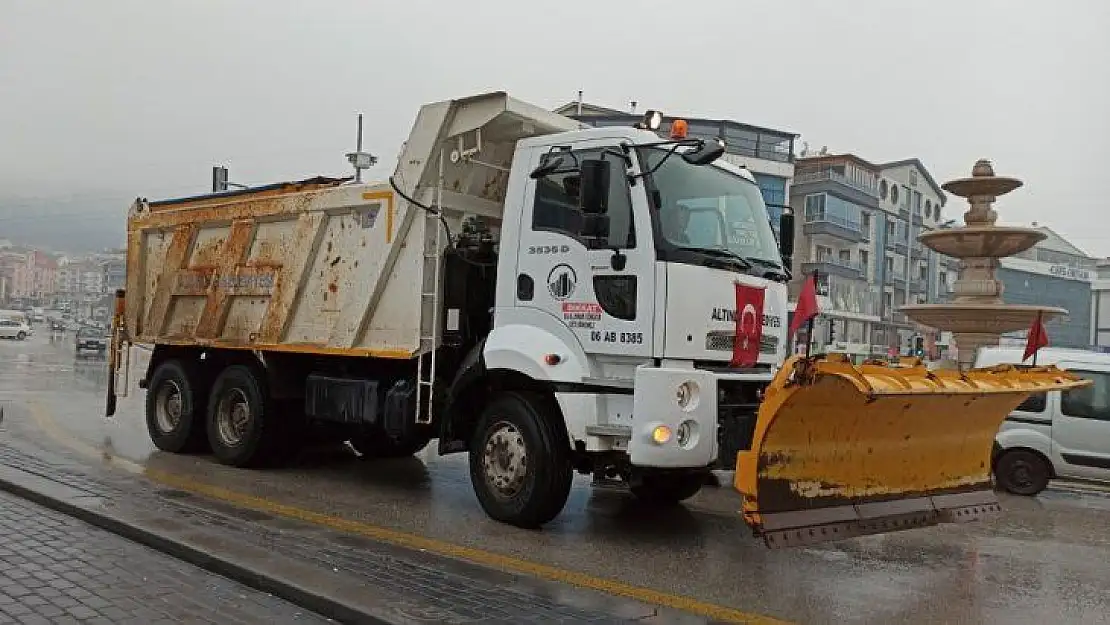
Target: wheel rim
(233, 417)
(1021, 474)
(167, 407)
(505, 460)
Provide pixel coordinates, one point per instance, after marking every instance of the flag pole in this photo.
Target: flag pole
(1036, 351)
(809, 324)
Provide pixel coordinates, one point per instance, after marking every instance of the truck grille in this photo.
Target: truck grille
(724, 340)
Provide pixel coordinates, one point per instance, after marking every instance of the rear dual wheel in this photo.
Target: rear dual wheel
(244, 424)
(234, 417)
(174, 408)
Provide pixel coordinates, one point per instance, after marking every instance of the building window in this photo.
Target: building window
(889, 265)
(815, 206)
(824, 253)
(928, 208)
(865, 221)
(893, 194)
(845, 257)
(864, 259)
(891, 228)
(913, 177)
(883, 189)
(888, 301)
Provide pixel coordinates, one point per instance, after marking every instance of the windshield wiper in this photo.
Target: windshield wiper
(770, 264)
(719, 252)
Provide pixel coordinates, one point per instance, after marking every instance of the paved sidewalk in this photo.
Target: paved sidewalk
(344, 576)
(56, 569)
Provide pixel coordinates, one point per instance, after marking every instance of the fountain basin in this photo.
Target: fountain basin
(971, 318)
(982, 182)
(982, 241)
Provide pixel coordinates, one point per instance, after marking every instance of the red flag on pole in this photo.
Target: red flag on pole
(749, 325)
(1036, 339)
(806, 309)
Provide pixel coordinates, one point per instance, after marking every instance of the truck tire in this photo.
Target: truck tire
(244, 426)
(520, 460)
(173, 400)
(1022, 472)
(372, 446)
(668, 488)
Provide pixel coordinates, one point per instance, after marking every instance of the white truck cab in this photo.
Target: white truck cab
(1056, 434)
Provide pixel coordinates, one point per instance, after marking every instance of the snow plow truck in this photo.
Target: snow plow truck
(550, 299)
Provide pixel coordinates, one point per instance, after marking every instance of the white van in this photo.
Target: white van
(1055, 434)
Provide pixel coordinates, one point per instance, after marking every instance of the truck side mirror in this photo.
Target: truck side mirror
(705, 153)
(593, 190)
(548, 165)
(786, 235)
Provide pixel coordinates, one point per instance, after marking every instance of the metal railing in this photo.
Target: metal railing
(820, 215)
(819, 176)
(839, 262)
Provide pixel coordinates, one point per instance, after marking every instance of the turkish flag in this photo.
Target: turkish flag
(807, 304)
(1036, 339)
(749, 325)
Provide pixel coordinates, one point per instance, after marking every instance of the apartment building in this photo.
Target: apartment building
(857, 225)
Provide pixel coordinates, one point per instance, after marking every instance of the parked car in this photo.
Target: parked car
(1054, 435)
(14, 329)
(90, 339)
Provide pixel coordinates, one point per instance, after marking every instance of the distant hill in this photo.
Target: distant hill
(76, 223)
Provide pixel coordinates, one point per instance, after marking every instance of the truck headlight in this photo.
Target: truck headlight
(686, 434)
(688, 395)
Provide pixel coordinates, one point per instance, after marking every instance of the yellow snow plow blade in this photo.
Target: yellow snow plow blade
(842, 450)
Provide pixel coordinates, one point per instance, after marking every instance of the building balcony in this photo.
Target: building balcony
(832, 176)
(834, 267)
(904, 213)
(918, 220)
(899, 247)
(919, 285)
(821, 223)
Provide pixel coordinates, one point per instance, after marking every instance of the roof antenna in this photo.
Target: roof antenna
(358, 159)
(579, 102)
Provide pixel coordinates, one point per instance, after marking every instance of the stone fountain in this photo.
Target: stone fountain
(977, 316)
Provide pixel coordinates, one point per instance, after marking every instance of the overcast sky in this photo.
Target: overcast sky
(118, 98)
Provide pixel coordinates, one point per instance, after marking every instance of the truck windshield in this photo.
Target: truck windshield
(706, 208)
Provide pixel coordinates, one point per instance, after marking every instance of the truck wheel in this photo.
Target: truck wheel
(668, 488)
(383, 446)
(520, 461)
(243, 425)
(172, 418)
(1022, 472)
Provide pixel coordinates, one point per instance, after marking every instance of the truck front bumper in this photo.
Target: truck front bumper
(677, 414)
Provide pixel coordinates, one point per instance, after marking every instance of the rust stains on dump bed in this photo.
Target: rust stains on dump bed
(264, 201)
(238, 195)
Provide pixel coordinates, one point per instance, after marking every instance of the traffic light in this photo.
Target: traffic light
(919, 346)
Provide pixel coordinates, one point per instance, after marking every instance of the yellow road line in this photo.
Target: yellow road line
(46, 423)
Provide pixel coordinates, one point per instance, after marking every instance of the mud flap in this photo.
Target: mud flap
(842, 450)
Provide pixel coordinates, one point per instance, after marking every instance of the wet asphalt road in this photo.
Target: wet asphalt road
(1046, 559)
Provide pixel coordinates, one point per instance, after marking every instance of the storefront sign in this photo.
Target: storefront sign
(1067, 271)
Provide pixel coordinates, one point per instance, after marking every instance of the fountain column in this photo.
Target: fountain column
(977, 315)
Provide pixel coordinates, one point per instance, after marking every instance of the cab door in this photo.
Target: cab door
(1081, 425)
(598, 283)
